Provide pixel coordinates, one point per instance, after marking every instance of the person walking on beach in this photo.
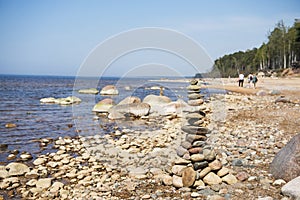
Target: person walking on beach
(241, 80)
(250, 77)
(254, 81)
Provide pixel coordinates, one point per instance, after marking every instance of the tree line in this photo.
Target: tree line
(282, 50)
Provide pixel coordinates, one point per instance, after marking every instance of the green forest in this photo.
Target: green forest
(281, 51)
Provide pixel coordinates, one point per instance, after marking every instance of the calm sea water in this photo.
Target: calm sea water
(20, 104)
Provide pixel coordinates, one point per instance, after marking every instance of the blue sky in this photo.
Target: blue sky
(54, 37)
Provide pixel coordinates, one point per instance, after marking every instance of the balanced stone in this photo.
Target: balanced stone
(195, 150)
(195, 96)
(194, 87)
(195, 129)
(195, 102)
(191, 138)
(188, 177)
(186, 145)
(200, 165)
(197, 157)
(212, 179)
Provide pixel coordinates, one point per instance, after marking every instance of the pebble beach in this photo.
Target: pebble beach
(219, 147)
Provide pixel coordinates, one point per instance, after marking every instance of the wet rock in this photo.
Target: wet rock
(16, 169)
(10, 125)
(188, 177)
(291, 189)
(103, 106)
(229, 179)
(109, 90)
(286, 164)
(11, 157)
(3, 147)
(68, 100)
(48, 100)
(88, 91)
(195, 130)
(177, 181)
(212, 179)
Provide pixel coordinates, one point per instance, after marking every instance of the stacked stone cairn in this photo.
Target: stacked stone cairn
(198, 165)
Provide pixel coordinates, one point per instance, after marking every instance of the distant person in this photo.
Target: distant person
(241, 80)
(250, 77)
(254, 81)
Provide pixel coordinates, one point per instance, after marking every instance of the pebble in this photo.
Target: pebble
(212, 179)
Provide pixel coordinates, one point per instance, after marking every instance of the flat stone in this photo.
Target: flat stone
(167, 180)
(209, 154)
(212, 179)
(188, 176)
(3, 172)
(186, 145)
(43, 183)
(204, 172)
(181, 161)
(16, 169)
(177, 181)
(88, 91)
(195, 130)
(39, 161)
(197, 157)
(181, 151)
(195, 102)
(200, 165)
(195, 150)
(199, 183)
(291, 189)
(193, 87)
(223, 171)
(177, 169)
(192, 137)
(215, 165)
(195, 96)
(230, 179)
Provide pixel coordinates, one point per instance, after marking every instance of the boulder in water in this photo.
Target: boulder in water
(129, 100)
(286, 164)
(135, 109)
(109, 90)
(104, 105)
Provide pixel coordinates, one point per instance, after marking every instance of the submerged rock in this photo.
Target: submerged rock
(109, 90)
(62, 101)
(88, 91)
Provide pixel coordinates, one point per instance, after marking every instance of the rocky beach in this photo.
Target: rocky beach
(217, 147)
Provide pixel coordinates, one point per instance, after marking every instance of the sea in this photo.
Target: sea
(20, 104)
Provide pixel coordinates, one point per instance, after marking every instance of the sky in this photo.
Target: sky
(56, 37)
